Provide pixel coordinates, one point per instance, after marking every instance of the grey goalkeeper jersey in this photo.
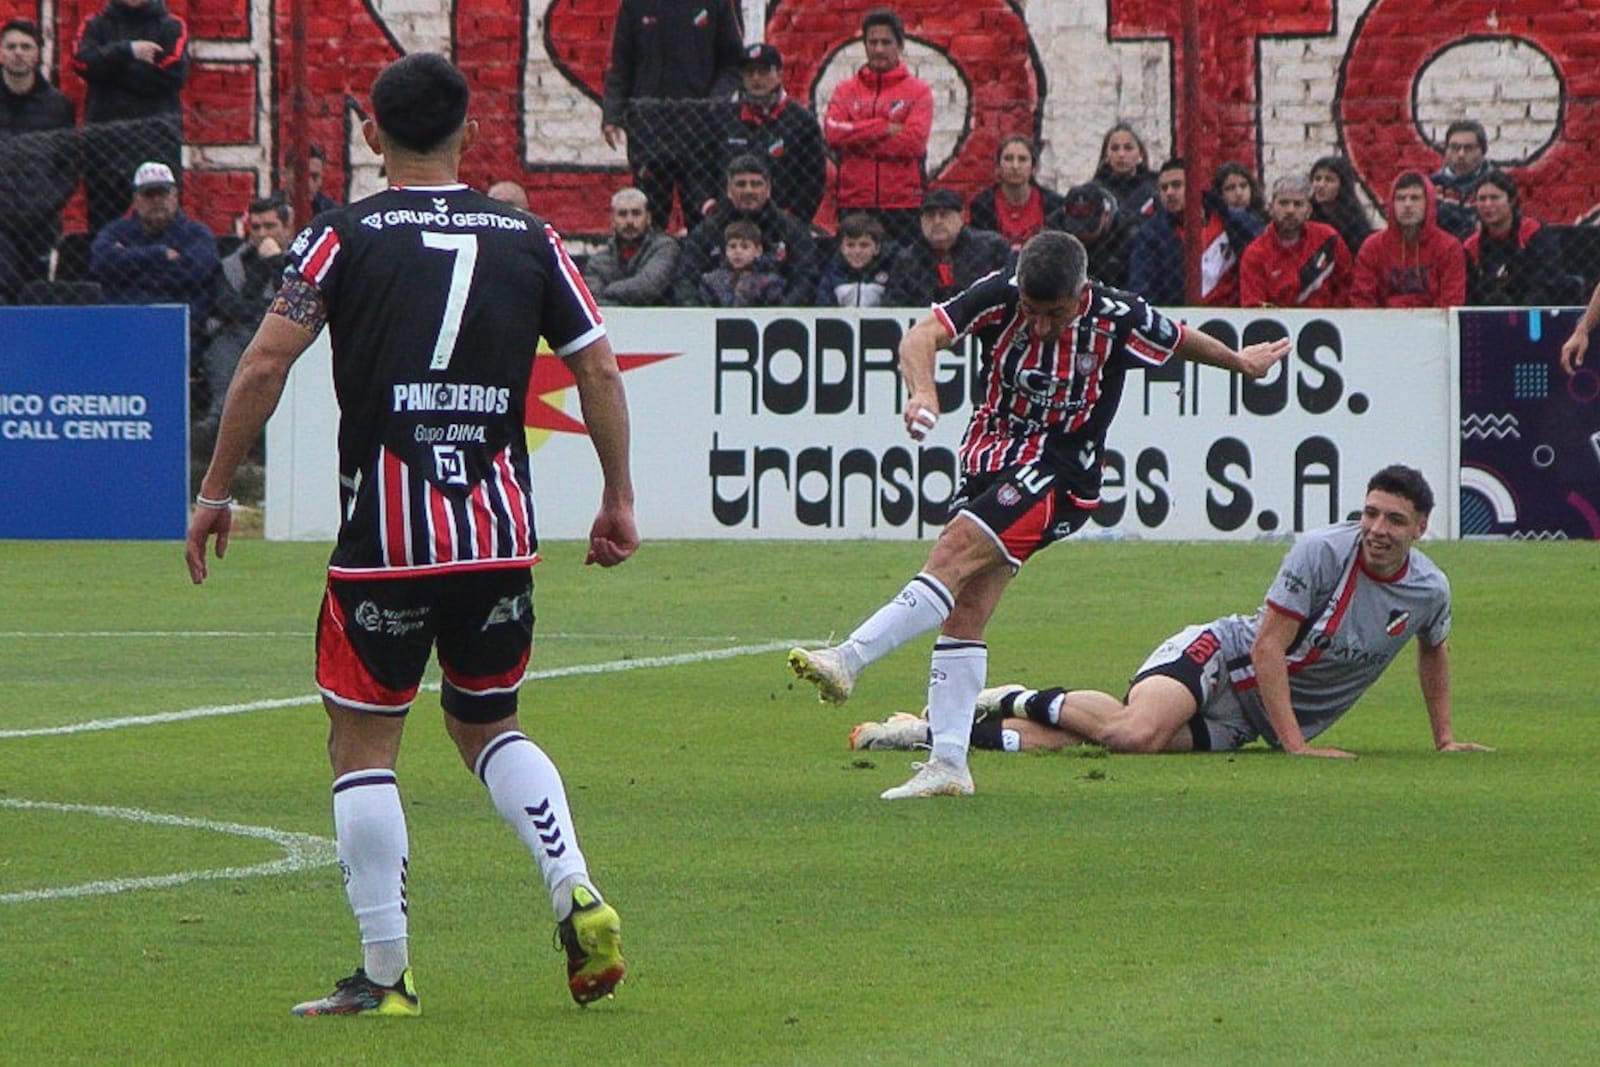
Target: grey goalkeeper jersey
(1352, 625)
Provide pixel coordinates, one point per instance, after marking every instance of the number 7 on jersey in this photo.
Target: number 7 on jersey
(463, 249)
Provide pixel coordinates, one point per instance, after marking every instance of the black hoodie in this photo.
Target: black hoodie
(120, 86)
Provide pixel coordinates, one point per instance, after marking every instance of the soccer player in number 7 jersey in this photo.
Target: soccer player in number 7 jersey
(435, 298)
(1056, 350)
(1346, 600)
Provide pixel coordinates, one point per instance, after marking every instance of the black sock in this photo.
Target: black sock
(986, 734)
(1037, 706)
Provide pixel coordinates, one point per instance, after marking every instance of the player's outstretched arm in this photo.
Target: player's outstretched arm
(1252, 361)
(613, 537)
(1269, 656)
(252, 397)
(917, 350)
(1433, 671)
(1577, 345)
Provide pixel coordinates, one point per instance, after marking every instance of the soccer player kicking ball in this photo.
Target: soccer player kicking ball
(435, 297)
(1346, 600)
(1057, 348)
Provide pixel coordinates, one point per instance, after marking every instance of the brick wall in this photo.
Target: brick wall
(1281, 82)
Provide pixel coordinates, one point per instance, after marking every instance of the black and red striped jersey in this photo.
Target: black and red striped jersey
(436, 300)
(1046, 399)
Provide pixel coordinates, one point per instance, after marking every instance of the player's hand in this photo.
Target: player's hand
(203, 524)
(145, 51)
(1325, 753)
(1572, 352)
(613, 135)
(921, 415)
(613, 537)
(1256, 360)
(1463, 746)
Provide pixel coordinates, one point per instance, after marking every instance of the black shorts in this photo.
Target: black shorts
(1022, 509)
(374, 636)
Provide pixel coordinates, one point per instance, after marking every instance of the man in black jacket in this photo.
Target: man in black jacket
(765, 121)
(38, 158)
(669, 60)
(785, 239)
(949, 258)
(135, 57)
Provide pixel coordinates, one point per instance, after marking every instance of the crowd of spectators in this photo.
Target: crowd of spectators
(729, 174)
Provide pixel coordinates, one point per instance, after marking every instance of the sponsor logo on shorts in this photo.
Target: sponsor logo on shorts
(1203, 647)
(395, 622)
(509, 609)
(935, 676)
(1008, 495)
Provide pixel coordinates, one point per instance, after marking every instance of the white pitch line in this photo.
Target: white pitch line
(301, 852)
(608, 667)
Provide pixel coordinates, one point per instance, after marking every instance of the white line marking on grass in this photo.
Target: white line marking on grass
(301, 852)
(608, 667)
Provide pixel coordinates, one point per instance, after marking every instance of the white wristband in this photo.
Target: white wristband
(224, 504)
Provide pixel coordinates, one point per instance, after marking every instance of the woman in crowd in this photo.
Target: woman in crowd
(1125, 170)
(1235, 215)
(1334, 200)
(1016, 206)
(1512, 259)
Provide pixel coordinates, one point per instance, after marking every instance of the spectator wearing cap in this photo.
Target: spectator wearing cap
(764, 120)
(38, 158)
(134, 55)
(1090, 213)
(1016, 206)
(877, 123)
(947, 257)
(669, 61)
(1155, 269)
(785, 240)
(157, 254)
(636, 265)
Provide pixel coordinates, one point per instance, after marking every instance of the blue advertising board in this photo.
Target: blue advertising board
(94, 422)
(1530, 433)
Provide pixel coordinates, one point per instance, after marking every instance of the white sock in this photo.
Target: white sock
(373, 853)
(921, 606)
(527, 791)
(957, 675)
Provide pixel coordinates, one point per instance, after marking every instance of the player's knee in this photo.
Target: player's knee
(1136, 734)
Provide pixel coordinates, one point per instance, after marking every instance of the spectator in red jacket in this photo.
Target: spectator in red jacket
(1296, 262)
(1414, 263)
(877, 124)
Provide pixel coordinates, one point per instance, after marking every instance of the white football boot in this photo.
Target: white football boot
(935, 778)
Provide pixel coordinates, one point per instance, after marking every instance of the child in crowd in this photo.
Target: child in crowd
(745, 279)
(858, 272)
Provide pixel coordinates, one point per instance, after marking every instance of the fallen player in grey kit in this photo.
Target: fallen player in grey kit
(1346, 600)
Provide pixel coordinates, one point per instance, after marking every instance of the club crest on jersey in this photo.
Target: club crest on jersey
(1397, 623)
(1086, 362)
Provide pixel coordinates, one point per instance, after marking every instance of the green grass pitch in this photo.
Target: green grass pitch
(1408, 907)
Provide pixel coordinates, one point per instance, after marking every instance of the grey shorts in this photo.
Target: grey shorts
(1194, 657)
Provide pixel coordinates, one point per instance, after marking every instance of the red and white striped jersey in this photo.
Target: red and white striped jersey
(1050, 400)
(436, 300)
